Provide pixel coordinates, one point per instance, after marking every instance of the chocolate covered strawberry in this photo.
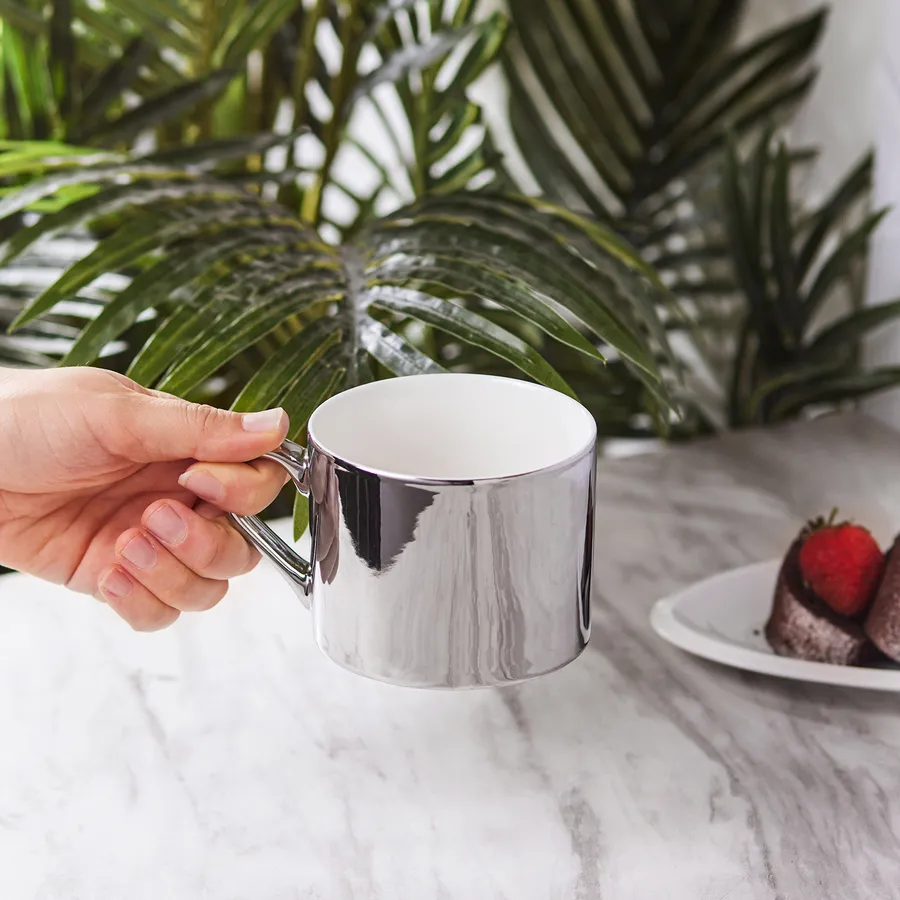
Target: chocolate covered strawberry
(842, 564)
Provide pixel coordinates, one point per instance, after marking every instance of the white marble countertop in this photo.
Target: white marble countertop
(226, 759)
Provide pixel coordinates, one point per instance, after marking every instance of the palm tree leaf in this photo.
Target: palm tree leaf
(301, 515)
(538, 224)
(149, 233)
(62, 54)
(760, 111)
(409, 58)
(851, 249)
(512, 260)
(108, 85)
(299, 403)
(460, 118)
(850, 191)
(469, 327)
(256, 279)
(288, 365)
(211, 305)
(167, 11)
(151, 289)
(203, 156)
(245, 329)
(29, 81)
(449, 148)
(380, 14)
(836, 388)
(104, 31)
(28, 162)
(639, 120)
(174, 337)
(110, 201)
(166, 106)
(242, 289)
(745, 246)
(19, 16)
(25, 197)
(757, 65)
(479, 281)
(254, 29)
(461, 174)
(75, 166)
(168, 23)
(757, 180)
(553, 171)
(781, 232)
(850, 328)
(561, 77)
(783, 381)
(489, 37)
(323, 381)
(170, 11)
(395, 354)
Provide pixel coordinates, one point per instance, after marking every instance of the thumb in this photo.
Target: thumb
(158, 427)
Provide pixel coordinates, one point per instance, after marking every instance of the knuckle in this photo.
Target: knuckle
(209, 554)
(195, 419)
(206, 416)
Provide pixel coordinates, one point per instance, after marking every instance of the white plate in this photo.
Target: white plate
(722, 619)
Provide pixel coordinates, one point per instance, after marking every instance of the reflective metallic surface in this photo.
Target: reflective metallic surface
(297, 572)
(443, 584)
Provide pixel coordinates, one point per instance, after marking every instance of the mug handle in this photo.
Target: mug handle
(293, 568)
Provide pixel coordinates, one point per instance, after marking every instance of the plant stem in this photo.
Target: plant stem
(354, 268)
(203, 65)
(351, 38)
(303, 69)
(735, 399)
(420, 134)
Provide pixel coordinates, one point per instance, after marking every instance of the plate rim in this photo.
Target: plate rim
(669, 627)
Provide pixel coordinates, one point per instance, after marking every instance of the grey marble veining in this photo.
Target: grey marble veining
(227, 759)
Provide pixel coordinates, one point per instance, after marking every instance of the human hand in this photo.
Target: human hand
(99, 490)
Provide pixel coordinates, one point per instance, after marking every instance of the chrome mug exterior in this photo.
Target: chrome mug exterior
(441, 584)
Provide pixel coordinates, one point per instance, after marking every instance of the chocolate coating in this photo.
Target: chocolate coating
(883, 622)
(803, 627)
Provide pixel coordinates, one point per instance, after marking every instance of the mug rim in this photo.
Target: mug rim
(589, 446)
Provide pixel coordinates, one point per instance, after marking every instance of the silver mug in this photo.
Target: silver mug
(451, 519)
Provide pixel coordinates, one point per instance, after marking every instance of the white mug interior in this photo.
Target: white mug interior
(453, 427)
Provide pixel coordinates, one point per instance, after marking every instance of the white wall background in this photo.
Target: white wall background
(884, 262)
(839, 116)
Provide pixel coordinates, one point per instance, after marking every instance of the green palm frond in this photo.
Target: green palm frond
(258, 201)
(44, 342)
(395, 73)
(791, 267)
(249, 302)
(620, 110)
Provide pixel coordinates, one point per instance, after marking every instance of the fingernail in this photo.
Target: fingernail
(203, 485)
(115, 584)
(267, 420)
(167, 525)
(140, 552)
